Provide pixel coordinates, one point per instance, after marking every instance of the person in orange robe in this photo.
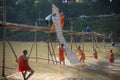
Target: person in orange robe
(53, 26)
(61, 54)
(23, 65)
(82, 54)
(95, 54)
(111, 57)
(61, 19)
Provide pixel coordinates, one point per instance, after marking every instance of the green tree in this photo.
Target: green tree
(115, 6)
(1, 9)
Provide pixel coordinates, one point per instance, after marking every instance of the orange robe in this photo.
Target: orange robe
(61, 54)
(61, 20)
(82, 55)
(22, 64)
(111, 59)
(95, 55)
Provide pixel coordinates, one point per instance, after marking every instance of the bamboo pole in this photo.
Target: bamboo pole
(12, 48)
(36, 41)
(96, 41)
(31, 48)
(80, 41)
(4, 37)
(71, 39)
(49, 50)
(48, 42)
(4, 49)
(53, 52)
(83, 41)
(35, 38)
(36, 45)
(93, 40)
(55, 44)
(75, 42)
(104, 41)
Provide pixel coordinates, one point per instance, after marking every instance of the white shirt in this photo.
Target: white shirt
(49, 17)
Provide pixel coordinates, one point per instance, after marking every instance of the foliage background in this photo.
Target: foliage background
(30, 11)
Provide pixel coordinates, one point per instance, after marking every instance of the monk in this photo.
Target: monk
(53, 26)
(95, 54)
(61, 54)
(61, 19)
(49, 20)
(111, 57)
(82, 54)
(23, 65)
